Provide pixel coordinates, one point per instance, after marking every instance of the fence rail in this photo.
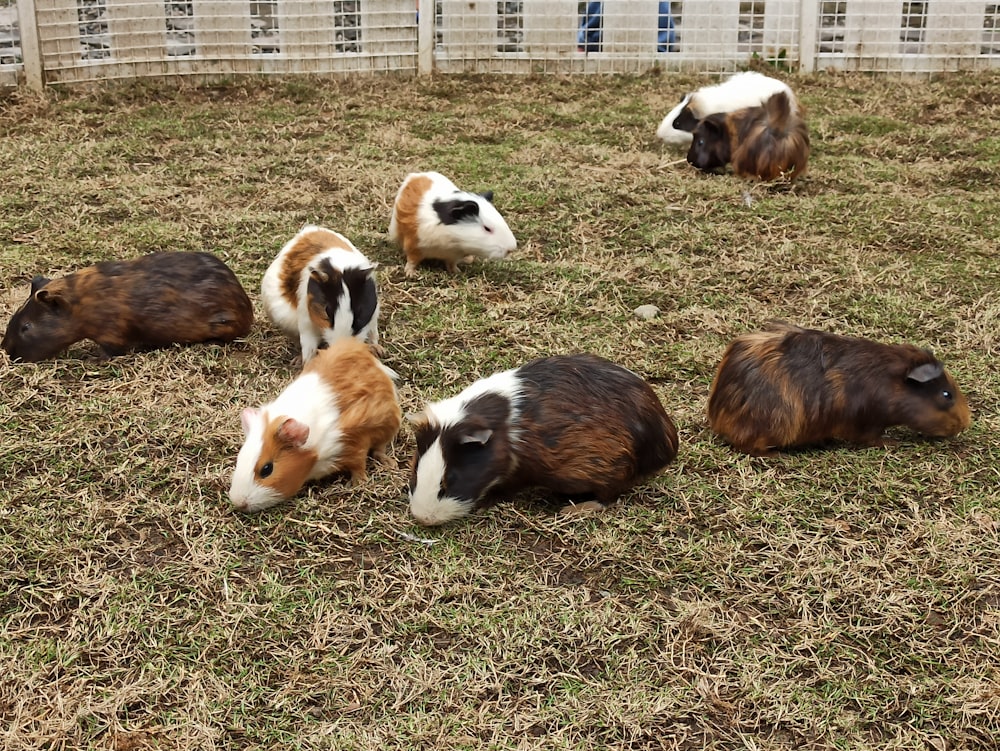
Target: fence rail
(65, 41)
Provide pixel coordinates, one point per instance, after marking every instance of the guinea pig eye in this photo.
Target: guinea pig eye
(266, 470)
(489, 230)
(26, 327)
(946, 394)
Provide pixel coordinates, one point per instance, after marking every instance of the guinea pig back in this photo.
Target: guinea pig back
(152, 301)
(792, 387)
(577, 425)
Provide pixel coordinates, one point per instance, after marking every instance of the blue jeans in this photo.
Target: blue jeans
(591, 28)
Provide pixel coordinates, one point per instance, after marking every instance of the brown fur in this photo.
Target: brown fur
(762, 143)
(292, 463)
(407, 204)
(152, 301)
(370, 414)
(305, 249)
(788, 387)
(369, 419)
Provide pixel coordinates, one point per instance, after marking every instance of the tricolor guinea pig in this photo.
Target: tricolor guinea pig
(788, 387)
(577, 425)
(763, 143)
(340, 409)
(148, 302)
(432, 218)
(737, 92)
(320, 288)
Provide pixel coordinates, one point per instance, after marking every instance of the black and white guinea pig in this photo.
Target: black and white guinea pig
(577, 425)
(320, 288)
(341, 409)
(432, 218)
(737, 92)
(788, 387)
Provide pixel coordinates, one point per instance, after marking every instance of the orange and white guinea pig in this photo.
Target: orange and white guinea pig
(341, 408)
(432, 218)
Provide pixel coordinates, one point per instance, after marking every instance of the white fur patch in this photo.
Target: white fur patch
(450, 411)
(741, 90)
(244, 492)
(426, 505)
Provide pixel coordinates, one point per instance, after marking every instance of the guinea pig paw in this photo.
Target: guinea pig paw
(385, 460)
(377, 349)
(587, 508)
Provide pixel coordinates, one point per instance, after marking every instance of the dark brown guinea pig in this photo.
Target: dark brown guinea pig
(152, 301)
(788, 386)
(763, 143)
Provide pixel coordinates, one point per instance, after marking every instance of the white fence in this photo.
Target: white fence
(59, 41)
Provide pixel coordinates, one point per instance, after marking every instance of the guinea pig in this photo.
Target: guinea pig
(788, 387)
(341, 408)
(319, 289)
(577, 425)
(737, 92)
(148, 302)
(763, 143)
(432, 218)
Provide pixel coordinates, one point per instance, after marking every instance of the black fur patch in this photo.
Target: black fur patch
(326, 287)
(685, 120)
(472, 467)
(364, 297)
(455, 210)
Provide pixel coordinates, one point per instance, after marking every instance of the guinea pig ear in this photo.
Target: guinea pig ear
(38, 282)
(293, 433)
(51, 298)
(454, 210)
(926, 372)
(488, 195)
(714, 124)
(419, 419)
(247, 418)
(480, 436)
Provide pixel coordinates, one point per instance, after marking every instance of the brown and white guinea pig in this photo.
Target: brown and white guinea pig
(320, 288)
(788, 387)
(577, 425)
(340, 409)
(432, 218)
(739, 91)
(151, 301)
(763, 143)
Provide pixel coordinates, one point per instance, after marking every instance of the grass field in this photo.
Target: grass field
(839, 599)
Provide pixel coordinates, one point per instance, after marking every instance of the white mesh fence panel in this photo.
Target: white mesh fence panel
(80, 40)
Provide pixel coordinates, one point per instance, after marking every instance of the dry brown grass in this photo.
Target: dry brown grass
(845, 599)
